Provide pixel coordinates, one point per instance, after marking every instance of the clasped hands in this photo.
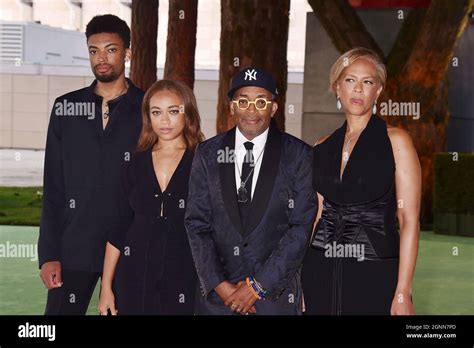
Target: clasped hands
(238, 297)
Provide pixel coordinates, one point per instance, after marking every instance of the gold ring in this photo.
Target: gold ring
(233, 306)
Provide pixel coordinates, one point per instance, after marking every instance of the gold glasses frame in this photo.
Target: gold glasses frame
(254, 102)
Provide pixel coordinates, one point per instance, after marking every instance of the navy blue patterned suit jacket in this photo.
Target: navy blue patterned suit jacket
(272, 245)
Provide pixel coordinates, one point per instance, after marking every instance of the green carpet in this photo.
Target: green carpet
(443, 284)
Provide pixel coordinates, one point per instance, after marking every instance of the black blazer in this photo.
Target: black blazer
(271, 247)
(82, 194)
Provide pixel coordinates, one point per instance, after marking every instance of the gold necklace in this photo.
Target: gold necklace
(105, 101)
(346, 155)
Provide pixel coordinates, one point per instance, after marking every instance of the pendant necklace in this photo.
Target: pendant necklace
(242, 191)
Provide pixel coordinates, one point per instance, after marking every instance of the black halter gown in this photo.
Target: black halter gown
(351, 266)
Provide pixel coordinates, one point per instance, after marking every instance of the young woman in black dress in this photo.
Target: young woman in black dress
(148, 267)
(366, 174)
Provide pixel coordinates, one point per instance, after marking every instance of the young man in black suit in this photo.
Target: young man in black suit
(91, 135)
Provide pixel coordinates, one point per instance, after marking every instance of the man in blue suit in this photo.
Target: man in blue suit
(250, 208)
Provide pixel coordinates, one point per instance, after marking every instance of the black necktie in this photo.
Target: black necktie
(248, 166)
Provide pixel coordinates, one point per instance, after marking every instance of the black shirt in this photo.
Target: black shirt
(82, 194)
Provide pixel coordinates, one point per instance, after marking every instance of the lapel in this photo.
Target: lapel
(266, 178)
(227, 180)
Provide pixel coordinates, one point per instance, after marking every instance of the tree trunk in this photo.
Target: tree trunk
(404, 42)
(144, 48)
(181, 41)
(343, 25)
(253, 32)
(423, 80)
(417, 67)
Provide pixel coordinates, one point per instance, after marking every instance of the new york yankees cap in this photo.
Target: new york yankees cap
(252, 76)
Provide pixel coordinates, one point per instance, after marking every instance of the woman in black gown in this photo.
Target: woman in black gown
(365, 174)
(148, 267)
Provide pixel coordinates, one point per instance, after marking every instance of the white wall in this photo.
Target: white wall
(66, 15)
(27, 94)
(27, 91)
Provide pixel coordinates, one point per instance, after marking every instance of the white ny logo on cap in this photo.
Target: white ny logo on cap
(250, 74)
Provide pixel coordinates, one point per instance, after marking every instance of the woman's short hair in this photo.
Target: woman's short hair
(192, 129)
(350, 57)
